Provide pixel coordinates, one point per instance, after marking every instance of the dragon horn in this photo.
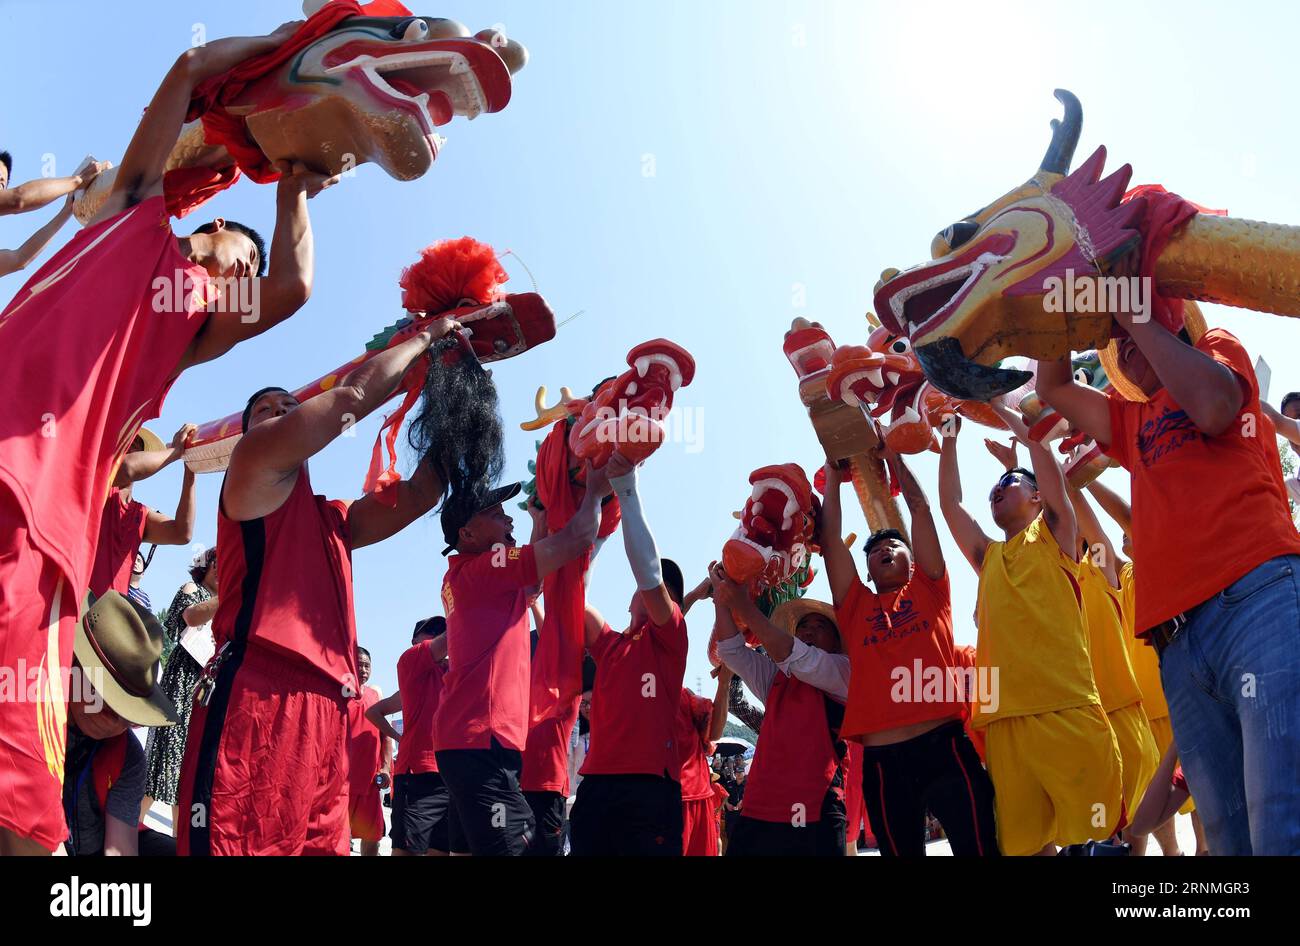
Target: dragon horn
(872, 319)
(1065, 135)
(548, 415)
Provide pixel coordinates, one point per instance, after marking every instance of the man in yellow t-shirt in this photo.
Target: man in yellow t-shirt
(1112, 669)
(1050, 750)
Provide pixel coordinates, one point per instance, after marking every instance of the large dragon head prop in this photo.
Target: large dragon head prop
(986, 292)
(628, 413)
(358, 83)
(1083, 460)
(377, 89)
(774, 540)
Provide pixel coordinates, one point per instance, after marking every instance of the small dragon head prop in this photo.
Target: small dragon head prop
(775, 537)
(1084, 461)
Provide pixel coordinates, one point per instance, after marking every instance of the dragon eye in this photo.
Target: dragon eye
(411, 30)
(900, 346)
(959, 233)
(1083, 376)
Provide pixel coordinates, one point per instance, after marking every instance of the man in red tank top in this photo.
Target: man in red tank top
(629, 802)
(794, 795)
(286, 637)
(154, 315)
(127, 524)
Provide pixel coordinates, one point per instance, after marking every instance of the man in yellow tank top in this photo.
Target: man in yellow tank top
(1050, 750)
(1146, 669)
(1112, 668)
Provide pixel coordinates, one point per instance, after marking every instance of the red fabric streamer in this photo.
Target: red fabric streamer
(222, 128)
(449, 272)
(1164, 214)
(379, 477)
(557, 662)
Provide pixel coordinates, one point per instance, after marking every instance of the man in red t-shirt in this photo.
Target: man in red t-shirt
(630, 800)
(916, 755)
(286, 635)
(424, 822)
(155, 314)
(1222, 611)
(481, 726)
(127, 524)
(370, 763)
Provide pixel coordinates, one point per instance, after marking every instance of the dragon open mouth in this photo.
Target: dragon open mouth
(914, 303)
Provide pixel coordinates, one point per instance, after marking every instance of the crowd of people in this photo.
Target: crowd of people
(1107, 690)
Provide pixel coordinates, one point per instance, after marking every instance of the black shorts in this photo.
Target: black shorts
(548, 814)
(627, 816)
(423, 818)
(484, 788)
(750, 837)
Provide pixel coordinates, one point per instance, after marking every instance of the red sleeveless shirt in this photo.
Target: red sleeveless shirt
(286, 584)
(91, 343)
(795, 760)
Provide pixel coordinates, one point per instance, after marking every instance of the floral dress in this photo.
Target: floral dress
(166, 745)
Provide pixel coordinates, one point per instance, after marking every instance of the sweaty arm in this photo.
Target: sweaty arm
(970, 538)
(925, 537)
(1210, 392)
(578, 534)
(1058, 511)
(371, 519)
(839, 561)
(265, 462)
(36, 194)
(11, 261)
(179, 529)
(1086, 408)
(639, 542)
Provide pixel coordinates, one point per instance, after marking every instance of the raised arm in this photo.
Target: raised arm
(37, 193)
(925, 537)
(11, 261)
(639, 542)
(140, 175)
(280, 445)
(1210, 392)
(179, 529)
(1058, 511)
(578, 534)
(371, 519)
(734, 597)
(288, 282)
(697, 594)
(1287, 427)
(592, 624)
(1090, 531)
(142, 464)
(840, 569)
(966, 532)
(1084, 407)
(1113, 504)
(718, 718)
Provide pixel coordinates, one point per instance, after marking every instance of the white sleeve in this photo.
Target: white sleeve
(757, 670)
(814, 666)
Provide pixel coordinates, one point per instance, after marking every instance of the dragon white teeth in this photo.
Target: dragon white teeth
(908, 416)
(791, 504)
(644, 362)
(893, 377)
(873, 375)
(631, 388)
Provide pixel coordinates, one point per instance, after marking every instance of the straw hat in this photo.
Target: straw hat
(788, 614)
(151, 440)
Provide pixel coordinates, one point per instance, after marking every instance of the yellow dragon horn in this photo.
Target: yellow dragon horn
(546, 416)
(872, 319)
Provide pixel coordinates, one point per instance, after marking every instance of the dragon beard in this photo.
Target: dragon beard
(458, 429)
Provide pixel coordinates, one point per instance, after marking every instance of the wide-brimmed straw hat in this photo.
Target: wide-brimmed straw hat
(1193, 321)
(788, 614)
(150, 439)
(119, 647)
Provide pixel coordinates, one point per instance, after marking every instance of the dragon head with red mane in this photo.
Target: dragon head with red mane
(774, 540)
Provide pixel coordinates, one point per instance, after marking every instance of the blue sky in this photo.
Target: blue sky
(700, 172)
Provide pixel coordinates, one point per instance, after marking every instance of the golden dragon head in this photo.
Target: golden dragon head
(984, 294)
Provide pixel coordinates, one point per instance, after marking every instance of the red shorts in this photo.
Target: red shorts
(38, 617)
(266, 764)
(700, 827)
(366, 811)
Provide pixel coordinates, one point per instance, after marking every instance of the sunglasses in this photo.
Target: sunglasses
(1010, 478)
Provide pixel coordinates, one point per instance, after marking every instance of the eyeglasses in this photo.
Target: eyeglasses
(1009, 478)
